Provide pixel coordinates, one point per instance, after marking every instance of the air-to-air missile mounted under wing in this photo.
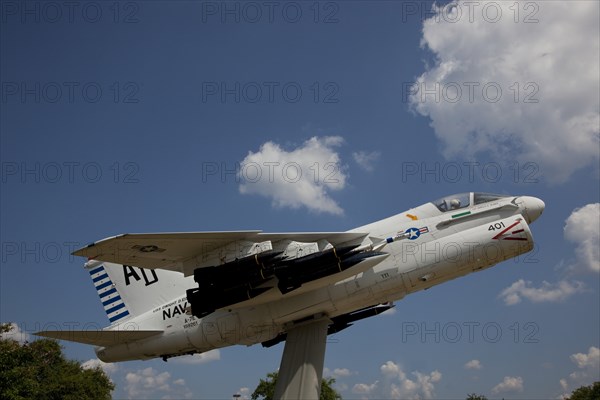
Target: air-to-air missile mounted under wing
(171, 294)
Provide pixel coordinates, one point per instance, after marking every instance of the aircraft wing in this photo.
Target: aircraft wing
(99, 338)
(186, 251)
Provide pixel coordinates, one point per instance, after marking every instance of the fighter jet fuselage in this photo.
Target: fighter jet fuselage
(251, 287)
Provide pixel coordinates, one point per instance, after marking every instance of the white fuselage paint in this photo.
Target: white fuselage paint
(450, 248)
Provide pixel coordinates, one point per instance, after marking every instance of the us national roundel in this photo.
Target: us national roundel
(414, 233)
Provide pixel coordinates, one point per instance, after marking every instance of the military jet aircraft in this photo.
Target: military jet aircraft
(173, 294)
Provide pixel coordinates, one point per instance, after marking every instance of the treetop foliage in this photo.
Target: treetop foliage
(266, 388)
(39, 370)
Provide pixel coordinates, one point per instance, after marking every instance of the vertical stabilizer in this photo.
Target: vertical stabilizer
(126, 291)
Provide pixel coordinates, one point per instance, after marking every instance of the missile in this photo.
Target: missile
(291, 280)
(324, 257)
(248, 269)
(378, 246)
(230, 283)
(238, 265)
(348, 262)
(290, 274)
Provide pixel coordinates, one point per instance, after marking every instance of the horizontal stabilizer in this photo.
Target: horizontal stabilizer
(99, 338)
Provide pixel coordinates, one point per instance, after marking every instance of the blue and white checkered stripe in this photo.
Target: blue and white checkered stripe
(110, 298)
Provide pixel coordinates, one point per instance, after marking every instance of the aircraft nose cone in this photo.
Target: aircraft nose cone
(533, 207)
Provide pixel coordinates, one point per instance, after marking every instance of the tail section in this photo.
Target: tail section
(113, 303)
(126, 291)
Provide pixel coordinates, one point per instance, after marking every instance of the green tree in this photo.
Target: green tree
(591, 392)
(475, 396)
(266, 388)
(40, 370)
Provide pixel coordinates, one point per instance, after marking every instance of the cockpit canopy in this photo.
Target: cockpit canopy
(462, 200)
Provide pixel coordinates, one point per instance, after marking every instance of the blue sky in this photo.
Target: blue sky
(135, 117)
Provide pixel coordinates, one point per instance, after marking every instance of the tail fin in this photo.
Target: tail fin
(127, 291)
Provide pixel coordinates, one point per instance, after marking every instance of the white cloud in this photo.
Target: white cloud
(548, 292)
(150, 383)
(366, 159)
(390, 368)
(146, 380)
(397, 384)
(589, 360)
(302, 177)
(108, 368)
(588, 365)
(201, 358)
(363, 388)
(244, 393)
(563, 384)
(473, 364)
(583, 227)
(341, 372)
(426, 381)
(338, 373)
(401, 387)
(15, 333)
(509, 384)
(527, 62)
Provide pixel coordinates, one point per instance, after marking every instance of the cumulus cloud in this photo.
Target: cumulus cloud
(363, 388)
(473, 364)
(341, 372)
(365, 159)
(301, 177)
(509, 384)
(15, 333)
(548, 292)
(202, 358)
(108, 368)
(583, 227)
(390, 368)
(397, 384)
(588, 370)
(589, 360)
(150, 383)
(518, 89)
(563, 384)
(244, 393)
(421, 386)
(338, 372)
